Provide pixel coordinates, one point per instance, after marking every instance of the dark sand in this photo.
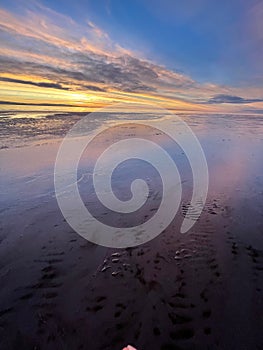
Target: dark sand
(202, 290)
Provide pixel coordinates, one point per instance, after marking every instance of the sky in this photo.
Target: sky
(186, 56)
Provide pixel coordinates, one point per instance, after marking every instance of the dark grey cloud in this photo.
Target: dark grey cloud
(130, 76)
(94, 88)
(140, 68)
(121, 71)
(37, 104)
(232, 99)
(40, 84)
(253, 111)
(87, 70)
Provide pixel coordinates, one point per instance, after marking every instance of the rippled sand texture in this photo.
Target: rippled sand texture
(202, 290)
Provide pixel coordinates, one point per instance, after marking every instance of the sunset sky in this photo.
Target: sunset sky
(193, 56)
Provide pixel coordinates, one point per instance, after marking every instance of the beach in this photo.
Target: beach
(199, 290)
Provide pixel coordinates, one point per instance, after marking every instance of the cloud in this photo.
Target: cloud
(94, 88)
(253, 111)
(41, 44)
(82, 69)
(98, 32)
(232, 99)
(16, 103)
(40, 84)
(56, 47)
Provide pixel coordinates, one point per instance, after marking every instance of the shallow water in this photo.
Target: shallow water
(232, 145)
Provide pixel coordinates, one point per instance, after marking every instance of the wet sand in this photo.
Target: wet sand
(201, 290)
